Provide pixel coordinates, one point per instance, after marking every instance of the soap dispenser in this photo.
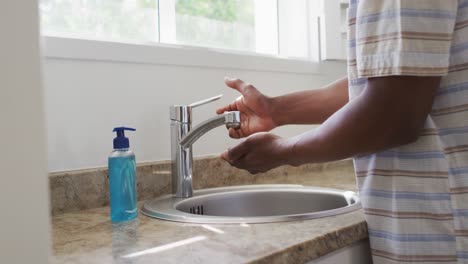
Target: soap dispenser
(122, 179)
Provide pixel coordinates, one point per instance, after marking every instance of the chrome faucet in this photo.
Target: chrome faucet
(182, 138)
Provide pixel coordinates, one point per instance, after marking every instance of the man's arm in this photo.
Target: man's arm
(260, 113)
(312, 106)
(390, 112)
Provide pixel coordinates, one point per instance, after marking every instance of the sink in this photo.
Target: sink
(253, 204)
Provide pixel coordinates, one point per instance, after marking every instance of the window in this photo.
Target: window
(275, 27)
(115, 20)
(231, 24)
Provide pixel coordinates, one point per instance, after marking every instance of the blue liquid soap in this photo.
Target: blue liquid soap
(122, 180)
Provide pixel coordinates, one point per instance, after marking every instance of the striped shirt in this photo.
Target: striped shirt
(415, 197)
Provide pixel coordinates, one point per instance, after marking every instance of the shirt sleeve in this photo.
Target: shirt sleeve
(404, 37)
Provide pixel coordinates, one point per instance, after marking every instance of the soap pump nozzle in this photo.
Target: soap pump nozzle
(122, 142)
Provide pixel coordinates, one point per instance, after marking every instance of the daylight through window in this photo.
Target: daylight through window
(241, 25)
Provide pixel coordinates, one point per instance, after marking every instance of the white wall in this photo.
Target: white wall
(87, 98)
(24, 224)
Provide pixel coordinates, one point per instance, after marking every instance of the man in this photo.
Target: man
(402, 113)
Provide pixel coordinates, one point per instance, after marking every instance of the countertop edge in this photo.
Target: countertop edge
(305, 251)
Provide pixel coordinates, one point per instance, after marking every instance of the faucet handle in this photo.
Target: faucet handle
(183, 113)
(208, 100)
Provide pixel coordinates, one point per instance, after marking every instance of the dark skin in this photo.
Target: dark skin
(260, 113)
(390, 112)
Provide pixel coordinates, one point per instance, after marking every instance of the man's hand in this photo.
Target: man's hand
(259, 153)
(255, 108)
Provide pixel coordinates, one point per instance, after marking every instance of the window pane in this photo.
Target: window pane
(228, 24)
(294, 28)
(131, 20)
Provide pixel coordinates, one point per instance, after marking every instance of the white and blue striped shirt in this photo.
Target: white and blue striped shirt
(415, 197)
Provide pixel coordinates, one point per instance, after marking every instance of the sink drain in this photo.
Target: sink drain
(198, 210)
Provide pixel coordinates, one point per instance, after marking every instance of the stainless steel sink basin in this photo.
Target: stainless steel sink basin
(253, 204)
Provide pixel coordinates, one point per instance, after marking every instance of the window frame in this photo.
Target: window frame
(160, 53)
(62, 48)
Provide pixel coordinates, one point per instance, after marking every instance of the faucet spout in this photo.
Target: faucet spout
(182, 138)
(230, 119)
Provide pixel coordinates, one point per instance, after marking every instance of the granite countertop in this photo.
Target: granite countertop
(89, 237)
